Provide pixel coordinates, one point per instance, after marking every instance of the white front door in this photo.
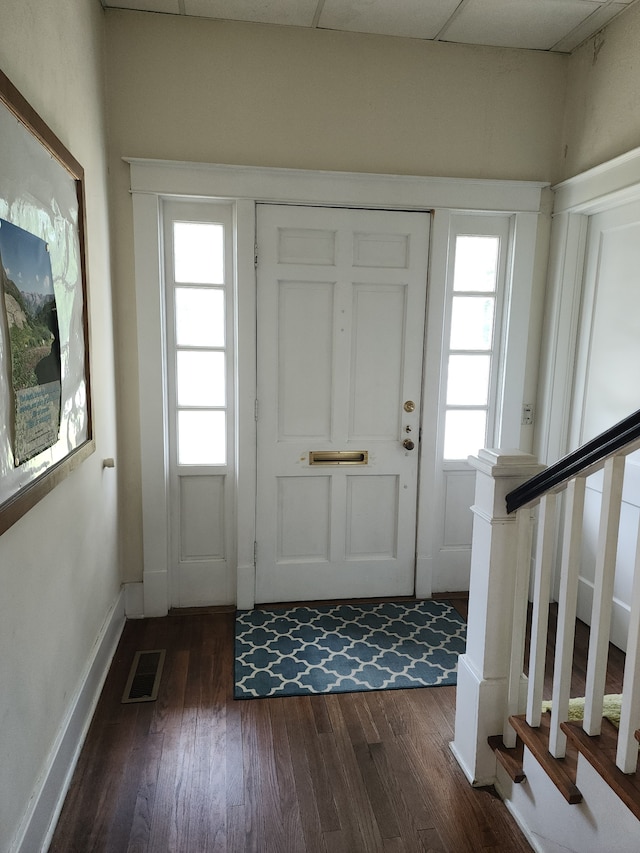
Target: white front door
(341, 312)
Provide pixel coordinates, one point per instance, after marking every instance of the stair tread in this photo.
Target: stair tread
(561, 771)
(600, 752)
(509, 757)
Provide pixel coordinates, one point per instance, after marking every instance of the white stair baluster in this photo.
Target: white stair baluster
(627, 752)
(603, 594)
(567, 601)
(540, 617)
(520, 601)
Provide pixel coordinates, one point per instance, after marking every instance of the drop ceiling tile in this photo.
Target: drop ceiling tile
(171, 6)
(589, 27)
(415, 18)
(559, 25)
(518, 23)
(298, 13)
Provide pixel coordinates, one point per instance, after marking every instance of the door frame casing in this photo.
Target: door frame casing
(569, 311)
(597, 190)
(154, 180)
(445, 566)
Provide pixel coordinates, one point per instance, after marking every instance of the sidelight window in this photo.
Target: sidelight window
(198, 296)
(471, 351)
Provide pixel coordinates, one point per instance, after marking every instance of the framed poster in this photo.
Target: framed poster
(45, 401)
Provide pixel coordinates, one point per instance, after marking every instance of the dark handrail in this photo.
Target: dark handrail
(594, 451)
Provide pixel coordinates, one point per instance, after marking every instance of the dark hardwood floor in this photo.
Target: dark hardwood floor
(196, 771)
(615, 659)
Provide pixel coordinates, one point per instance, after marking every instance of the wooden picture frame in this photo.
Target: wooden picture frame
(42, 205)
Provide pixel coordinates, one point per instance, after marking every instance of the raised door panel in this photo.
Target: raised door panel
(378, 344)
(304, 519)
(308, 246)
(202, 528)
(372, 517)
(305, 362)
(381, 251)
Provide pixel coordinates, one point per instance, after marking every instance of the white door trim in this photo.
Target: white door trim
(154, 437)
(152, 180)
(602, 188)
(608, 185)
(347, 189)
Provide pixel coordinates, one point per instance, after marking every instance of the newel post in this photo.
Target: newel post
(481, 694)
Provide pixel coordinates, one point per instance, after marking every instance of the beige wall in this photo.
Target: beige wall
(59, 563)
(232, 93)
(205, 91)
(193, 89)
(602, 118)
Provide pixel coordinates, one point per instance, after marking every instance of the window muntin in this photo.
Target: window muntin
(472, 322)
(198, 252)
(200, 317)
(201, 378)
(472, 344)
(476, 265)
(198, 301)
(465, 432)
(468, 380)
(202, 437)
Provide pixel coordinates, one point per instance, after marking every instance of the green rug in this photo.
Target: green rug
(610, 708)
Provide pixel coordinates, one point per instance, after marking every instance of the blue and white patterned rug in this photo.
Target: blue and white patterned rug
(346, 648)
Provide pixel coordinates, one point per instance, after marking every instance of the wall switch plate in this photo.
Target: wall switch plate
(527, 414)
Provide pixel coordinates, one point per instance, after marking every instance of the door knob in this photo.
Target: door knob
(408, 444)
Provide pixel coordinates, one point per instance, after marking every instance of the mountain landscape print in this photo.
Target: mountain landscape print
(32, 324)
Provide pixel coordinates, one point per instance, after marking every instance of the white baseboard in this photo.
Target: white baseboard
(424, 577)
(246, 587)
(47, 799)
(522, 825)
(620, 613)
(156, 593)
(134, 600)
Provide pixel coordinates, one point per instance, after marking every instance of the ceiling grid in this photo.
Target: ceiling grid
(550, 25)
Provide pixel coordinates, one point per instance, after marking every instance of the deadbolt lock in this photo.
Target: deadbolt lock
(409, 406)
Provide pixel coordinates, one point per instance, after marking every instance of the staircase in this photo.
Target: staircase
(599, 750)
(500, 725)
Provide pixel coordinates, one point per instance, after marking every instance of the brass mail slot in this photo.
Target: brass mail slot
(338, 457)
